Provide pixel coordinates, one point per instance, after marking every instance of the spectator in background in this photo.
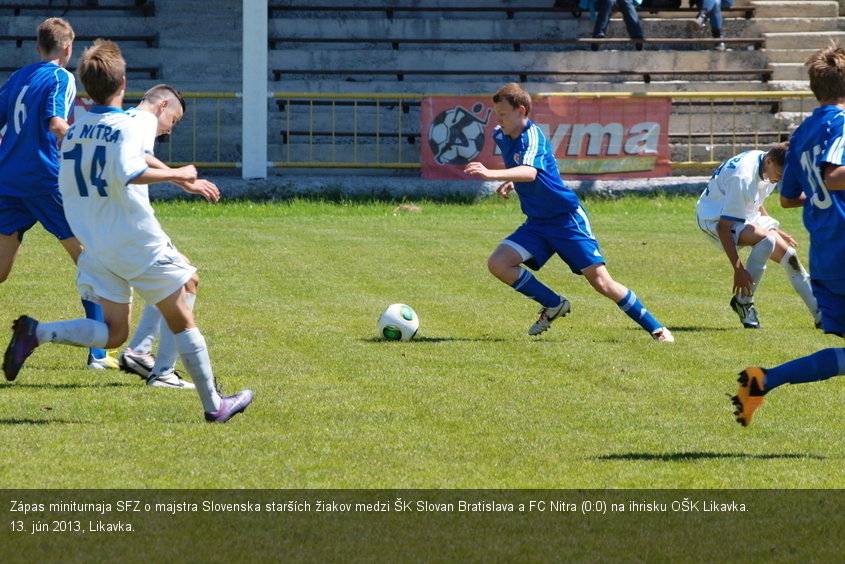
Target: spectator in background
(712, 10)
(629, 14)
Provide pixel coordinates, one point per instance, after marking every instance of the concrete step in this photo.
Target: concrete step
(801, 41)
(785, 8)
(788, 55)
(789, 71)
(795, 25)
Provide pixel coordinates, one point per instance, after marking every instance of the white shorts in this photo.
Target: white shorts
(708, 226)
(162, 278)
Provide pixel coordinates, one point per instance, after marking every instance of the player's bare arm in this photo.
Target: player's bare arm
(58, 127)
(742, 282)
(834, 177)
(200, 186)
(152, 175)
(521, 173)
(793, 202)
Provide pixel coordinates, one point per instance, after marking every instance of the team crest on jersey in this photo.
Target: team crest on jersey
(517, 158)
(456, 136)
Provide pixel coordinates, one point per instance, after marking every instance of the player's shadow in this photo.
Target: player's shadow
(440, 340)
(10, 422)
(71, 386)
(699, 329)
(689, 456)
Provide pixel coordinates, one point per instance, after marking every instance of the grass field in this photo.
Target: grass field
(289, 298)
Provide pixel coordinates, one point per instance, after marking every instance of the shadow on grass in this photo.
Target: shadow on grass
(34, 421)
(440, 340)
(699, 329)
(687, 456)
(73, 386)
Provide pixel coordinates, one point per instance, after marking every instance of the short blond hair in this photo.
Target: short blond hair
(826, 68)
(515, 95)
(102, 70)
(54, 33)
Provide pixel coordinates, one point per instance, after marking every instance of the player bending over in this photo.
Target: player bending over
(730, 212)
(814, 177)
(103, 177)
(556, 221)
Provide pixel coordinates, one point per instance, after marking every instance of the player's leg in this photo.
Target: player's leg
(762, 243)
(785, 256)
(506, 264)
(49, 211)
(755, 382)
(601, 281)
(163, 373)
(28, 333)
(137, 357)
(163, 284)
(9, 246)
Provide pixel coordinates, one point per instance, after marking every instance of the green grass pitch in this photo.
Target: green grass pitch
(289, 297)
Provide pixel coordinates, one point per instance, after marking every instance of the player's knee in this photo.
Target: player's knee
(192, 285)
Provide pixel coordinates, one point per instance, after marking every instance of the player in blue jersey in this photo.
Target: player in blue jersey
(103, 177)
(34, 107)
(814, 178)
(730, 212)
(556, 223)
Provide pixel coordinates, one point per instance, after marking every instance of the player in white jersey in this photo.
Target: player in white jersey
(731, 213)
(103, 178)
(163, 107)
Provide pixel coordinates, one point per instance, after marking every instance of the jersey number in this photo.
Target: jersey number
(821, 197)
(20, 110)
(95, 173)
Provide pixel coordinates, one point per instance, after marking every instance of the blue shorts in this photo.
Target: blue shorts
(20, 214)
(830, 295)
(569, 236)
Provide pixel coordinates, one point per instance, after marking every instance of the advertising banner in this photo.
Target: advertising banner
(592, 138)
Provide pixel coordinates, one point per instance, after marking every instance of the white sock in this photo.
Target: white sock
(800, 280)
(76, 332)
(756, 263)
(194, 354)
(147, 330)
(166, 354)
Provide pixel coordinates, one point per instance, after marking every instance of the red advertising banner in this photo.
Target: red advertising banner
(592, 138)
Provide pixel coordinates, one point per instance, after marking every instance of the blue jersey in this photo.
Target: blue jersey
(818, 140)
(29, 154)
(547, 196)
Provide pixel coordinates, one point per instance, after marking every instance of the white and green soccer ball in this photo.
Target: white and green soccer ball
(398, 322)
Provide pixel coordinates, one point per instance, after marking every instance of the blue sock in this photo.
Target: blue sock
(95, 312)
(528, 285)
(815, 367)
(635, 309)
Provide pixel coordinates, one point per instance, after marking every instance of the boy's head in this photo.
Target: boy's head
(167, 104)
(512, 105)
(774, 161)
(826, 69)
(55, 40)
(102, 71)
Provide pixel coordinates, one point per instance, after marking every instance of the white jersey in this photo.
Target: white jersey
(736, 190)
(101, 154)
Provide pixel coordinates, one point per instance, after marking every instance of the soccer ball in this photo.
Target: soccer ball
(398, 322)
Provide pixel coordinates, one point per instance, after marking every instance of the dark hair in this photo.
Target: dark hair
(163, 92)
(515, 95)
(778, 153)
(826, 69)
(102, 70)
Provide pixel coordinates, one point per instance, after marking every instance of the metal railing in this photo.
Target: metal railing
(382, 131)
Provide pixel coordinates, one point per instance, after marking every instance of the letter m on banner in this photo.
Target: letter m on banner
(592, 138)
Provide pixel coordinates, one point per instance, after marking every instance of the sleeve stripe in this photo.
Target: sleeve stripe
(533, 146)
